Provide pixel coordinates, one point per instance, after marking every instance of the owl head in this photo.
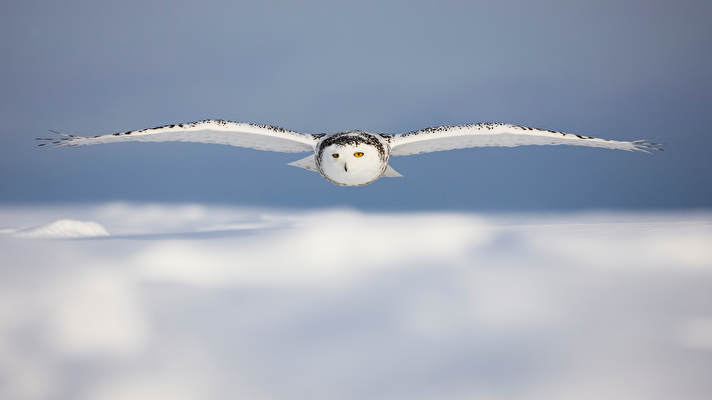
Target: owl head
(352, 158)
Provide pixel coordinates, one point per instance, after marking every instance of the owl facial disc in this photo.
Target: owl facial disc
(352, 158)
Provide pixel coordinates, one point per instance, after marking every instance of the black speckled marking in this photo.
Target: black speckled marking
(479, 126)
(487, 126)
(386, 136)
(220, 122)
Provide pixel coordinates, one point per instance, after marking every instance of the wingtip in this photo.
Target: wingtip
(647, 145)
(64, 139)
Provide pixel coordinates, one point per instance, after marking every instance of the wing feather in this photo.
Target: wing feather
(497, 134)
(260, 137)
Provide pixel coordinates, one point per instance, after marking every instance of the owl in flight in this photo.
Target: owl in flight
(351, 158)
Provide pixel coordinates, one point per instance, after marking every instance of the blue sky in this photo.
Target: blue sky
(619, 70)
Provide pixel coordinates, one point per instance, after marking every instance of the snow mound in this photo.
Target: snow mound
(64, 228)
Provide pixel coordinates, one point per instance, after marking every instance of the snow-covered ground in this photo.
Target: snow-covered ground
(206, 302)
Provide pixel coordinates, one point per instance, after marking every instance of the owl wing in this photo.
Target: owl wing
(260, 137)
(498, 134)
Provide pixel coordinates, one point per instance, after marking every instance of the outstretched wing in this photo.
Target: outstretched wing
(497, 134)
(260, 137)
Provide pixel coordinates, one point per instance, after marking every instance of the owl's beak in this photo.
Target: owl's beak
(346, 168)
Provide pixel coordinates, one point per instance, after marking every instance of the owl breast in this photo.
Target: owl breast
(352, 158)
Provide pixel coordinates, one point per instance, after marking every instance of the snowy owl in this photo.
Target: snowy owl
(351, 158)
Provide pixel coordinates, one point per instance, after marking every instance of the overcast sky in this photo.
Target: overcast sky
(619, 70)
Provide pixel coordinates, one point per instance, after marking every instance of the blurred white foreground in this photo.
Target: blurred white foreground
(193, 302)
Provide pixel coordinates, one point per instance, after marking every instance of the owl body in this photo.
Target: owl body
(352, 158)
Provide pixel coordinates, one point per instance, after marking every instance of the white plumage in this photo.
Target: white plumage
(352, 158)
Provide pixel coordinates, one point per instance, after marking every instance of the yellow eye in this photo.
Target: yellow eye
(358, 154)
(335, 155)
